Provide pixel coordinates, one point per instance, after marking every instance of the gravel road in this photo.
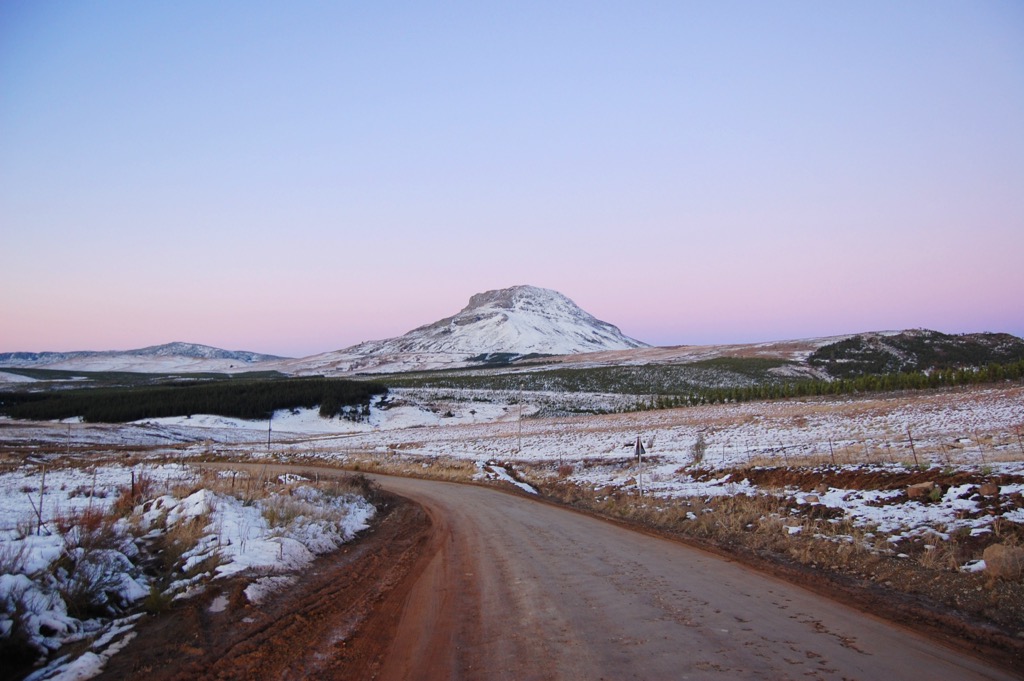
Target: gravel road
(472, 583)
(515, 589)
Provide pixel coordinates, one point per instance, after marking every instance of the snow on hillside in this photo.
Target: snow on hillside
(521, 320)
(7, 377)
(170, 357)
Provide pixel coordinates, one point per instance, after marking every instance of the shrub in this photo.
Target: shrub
(698, 449)
(87, 580)
(157, 601)
(16, 647)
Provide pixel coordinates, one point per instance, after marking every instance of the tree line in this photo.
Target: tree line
(911, 380)
(244, 399)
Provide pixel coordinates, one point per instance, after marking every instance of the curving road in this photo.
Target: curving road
(514, 589)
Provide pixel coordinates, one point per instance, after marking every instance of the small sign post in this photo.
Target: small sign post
(639, 451)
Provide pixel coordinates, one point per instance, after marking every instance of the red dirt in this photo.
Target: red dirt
(449, 588)
(360, 588)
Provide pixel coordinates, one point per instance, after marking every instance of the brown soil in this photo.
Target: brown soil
(847, 477)
(360, 588)
(349, 617)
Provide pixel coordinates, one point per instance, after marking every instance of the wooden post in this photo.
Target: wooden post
(831, 451)
(638, 449)
(92, 490)
(981, 450)
(913, 449)
(42, 490)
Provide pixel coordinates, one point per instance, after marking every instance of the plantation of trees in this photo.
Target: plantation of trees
(873, 383)
(245, 399)
(707, 382)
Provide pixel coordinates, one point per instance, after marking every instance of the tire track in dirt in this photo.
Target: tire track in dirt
(335, 622)
(464, 582)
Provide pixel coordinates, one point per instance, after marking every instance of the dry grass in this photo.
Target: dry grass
(433, 467)
(178, 540)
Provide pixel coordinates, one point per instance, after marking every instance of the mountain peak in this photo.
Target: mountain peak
(518, 320)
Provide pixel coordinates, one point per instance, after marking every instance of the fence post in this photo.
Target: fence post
(913, 449)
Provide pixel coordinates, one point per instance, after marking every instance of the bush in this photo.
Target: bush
(698, 449)
(88, 580)
(16, 647)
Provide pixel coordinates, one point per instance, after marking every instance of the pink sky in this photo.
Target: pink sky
(306, 179)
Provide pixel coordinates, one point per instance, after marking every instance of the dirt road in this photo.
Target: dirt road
(473, 583)
(522, 590)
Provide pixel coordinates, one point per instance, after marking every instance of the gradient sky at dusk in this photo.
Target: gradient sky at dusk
(294, 178)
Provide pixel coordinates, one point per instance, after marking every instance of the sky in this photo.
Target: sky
(295, 178)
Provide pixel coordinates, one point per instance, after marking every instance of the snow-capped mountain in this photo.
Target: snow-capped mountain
(157, 358)
(520, 320)
(516, 321)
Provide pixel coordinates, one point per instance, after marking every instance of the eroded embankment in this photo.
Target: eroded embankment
(335, 622)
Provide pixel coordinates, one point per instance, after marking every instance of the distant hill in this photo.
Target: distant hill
(914, 350)
(168, 357)
(506, 329)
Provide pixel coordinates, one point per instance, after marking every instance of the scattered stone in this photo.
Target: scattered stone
(920, 490)
(1003, 561)
(811, 499)
(989, 489)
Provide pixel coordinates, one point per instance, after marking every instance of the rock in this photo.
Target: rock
(989, 489)
(811, 498)
(920, 490)
(1003, 561)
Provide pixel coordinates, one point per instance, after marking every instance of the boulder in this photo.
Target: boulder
(989, 489)
(1003, 561)
(920, 490)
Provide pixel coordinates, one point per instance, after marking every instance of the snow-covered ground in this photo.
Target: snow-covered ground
(977, 430)
(82, 552)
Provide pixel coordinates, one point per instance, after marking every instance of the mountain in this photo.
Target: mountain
(914, 350)
(500, 324)
(170, 357)
(520, 320)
